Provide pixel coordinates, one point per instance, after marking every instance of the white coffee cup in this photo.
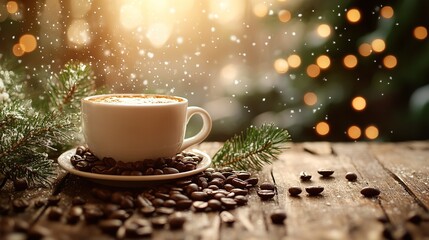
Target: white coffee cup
(134, 127)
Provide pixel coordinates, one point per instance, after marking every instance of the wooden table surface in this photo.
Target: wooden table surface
(399, 170)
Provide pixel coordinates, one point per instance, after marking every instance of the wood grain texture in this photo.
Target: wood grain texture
(399, 170)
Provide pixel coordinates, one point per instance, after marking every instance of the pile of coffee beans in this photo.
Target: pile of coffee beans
(85, 160)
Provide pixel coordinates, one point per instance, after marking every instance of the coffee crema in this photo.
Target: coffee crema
(136, 99)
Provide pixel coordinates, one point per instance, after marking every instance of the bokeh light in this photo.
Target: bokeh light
(353, 15)
(28, 42)
(378, 45)
(354, 132)
(323, 61)
(12, 7)
(294, 61)
(313, 70)
(371, 132)
(281, 65)
(365, 49)
(420, 33)
(284, 16)
(18, 50)
(324, 30)
(359, 103)
(78, 33)
(350, 61)
(387, 12)
(322, 128)
(260, 9)
(390, 61)
(310, 98)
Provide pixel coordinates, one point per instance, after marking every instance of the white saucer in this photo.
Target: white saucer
(130, 181)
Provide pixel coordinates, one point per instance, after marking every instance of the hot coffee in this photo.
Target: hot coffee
(136, 99)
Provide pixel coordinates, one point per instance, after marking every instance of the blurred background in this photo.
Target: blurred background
(324, 70)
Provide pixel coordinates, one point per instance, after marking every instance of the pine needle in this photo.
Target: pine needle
(253, 148)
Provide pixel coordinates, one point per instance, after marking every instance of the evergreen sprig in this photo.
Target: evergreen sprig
(253, 148)
(30, 131)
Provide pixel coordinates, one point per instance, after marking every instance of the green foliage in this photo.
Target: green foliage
(28, 134)
(251, 149)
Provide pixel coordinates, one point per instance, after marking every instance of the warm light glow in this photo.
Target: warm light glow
(28, 42)
(365, 49)
(260, 9)
(353, 15)
(387, 12)
(310, 98)
(12, 7)
(281, 65)
(294, 61)
(354, 132)
(226, 11)
(420, 33)
(323, 61)
(313, 70)
(324, 30)
(78, 32)
(18, 50)
(390, 61)
(284, 16)
(131, 15)
(359, 103)
(158, 34)
(322, 128)
(378, 45)
(371, 132)
(350, 61)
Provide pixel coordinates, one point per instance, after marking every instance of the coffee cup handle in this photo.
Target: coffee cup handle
(205, 130)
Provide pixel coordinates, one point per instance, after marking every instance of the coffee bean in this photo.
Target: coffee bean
(325, 172)
(75, 159)
(213, 187)
(20, 184)
(370, 192)
(351, 176)
(267, 186)
(252, 181)
(184, 204)
(294, 191)
(142, 201)
(228, 203)
(314, 190)
(240, 199)
(239, 191)
(55, 213)
(20, 204)
(83, 166)
(178, 196)
(219, 195)
(217, 181)
(237, 182)
(227, 217)
(163, 196)
(102, 194)
(278, 216)
(110, 226)
(199, 206)
(415, 218)
(4, 208)
(39, 202)
(109, 208)
(117, 197)
(265, 194)
(176, 221)
(127, 202)
(218, 175)
(81, 150)
(214, 204)
(157, 172)
(147, 210)
(92, 213)
(243, 175)
(53, 200)
(159, 221)
(119, 214)
(170, 170)
(73, 215)
(164, 210)
(228, 187)
(169, 203)
(38, 232)
(78, 201)
(199, 196)
(157, 202)
(21, 226)
(304, 176)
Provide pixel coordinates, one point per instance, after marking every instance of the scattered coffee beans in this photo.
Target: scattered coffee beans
(267, 186)
(370, 192)
(304, 176)
(84, 160)
(351, 176)
(295, 191)
(325, 172)
(20, 204)
(278, 216)
(20, 184)
(227, 217)
(176, 221)
(265, 194)
(314, 190)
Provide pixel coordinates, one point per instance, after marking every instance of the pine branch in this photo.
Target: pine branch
(252, 149)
